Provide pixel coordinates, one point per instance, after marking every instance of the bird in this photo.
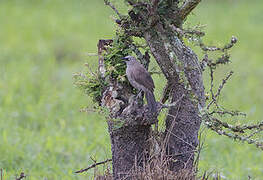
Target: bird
(141, 79)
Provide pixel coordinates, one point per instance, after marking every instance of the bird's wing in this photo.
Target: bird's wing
(142, 76)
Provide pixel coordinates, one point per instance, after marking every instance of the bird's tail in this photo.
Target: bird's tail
(151, 101)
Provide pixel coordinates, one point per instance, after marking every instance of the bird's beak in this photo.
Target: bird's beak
(124, 59)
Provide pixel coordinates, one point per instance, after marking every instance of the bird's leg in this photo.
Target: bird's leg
(139, 98)
(139, 95)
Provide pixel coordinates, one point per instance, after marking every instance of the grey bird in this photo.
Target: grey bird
(141, 79)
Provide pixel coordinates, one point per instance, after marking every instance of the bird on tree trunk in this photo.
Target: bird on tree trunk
(141, 79)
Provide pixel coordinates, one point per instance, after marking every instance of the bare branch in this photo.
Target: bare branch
(108, 3)
(214, 48)
(259, 144)
(235, 132)
(93, 166)
(187, 33)
(254, 133)
(223, 83)
(240, 129)
(187, 7)
(211, 89)
(232, 113)
(174, 103)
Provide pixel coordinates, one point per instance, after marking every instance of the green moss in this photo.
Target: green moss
(92, 84)
(115, 66)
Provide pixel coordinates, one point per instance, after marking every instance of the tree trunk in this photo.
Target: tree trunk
(129, 148)
(181, 68)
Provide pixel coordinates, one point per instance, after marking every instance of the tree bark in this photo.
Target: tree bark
(129, 148)
(181, 68)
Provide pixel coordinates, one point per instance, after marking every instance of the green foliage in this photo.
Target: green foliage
(92, 83)
(115, 65)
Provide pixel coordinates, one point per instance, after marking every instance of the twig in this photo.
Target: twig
(90, 70)
(214, 48)
(188, 33)
(232, 113)
(108, 3)
(254, 133)
(223, 83)
(181, 139)
(167, 137)
(93, 165)
(22, 175)
(218, 125)
(174, 103)
(211, 89)
(1, 173)
(237, 137)
(199, 149)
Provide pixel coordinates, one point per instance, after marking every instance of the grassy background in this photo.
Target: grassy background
(42, 43)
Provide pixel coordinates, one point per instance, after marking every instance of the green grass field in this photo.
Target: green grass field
(42, 43)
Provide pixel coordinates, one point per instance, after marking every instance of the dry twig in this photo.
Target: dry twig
(108, 3)
(94, 165)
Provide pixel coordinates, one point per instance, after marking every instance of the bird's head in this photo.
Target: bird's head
(129, 60)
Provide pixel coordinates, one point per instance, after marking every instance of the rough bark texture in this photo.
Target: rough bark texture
(129, 130)
(183, 121)
(129, 147)
(129, 140)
